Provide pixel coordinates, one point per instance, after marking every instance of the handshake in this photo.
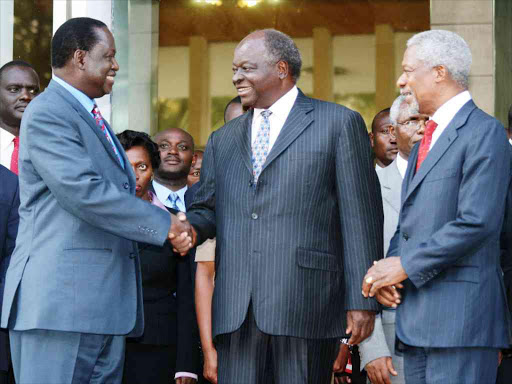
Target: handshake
(181, 234)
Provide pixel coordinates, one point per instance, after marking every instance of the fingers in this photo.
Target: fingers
(391, 368)
(355, 338)
(388, 296)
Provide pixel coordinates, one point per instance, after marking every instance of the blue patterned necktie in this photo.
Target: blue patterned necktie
(260, 147)
(173, 200)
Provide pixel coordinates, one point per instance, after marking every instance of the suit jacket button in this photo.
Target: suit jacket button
(405, 236)
(126, 185)
(254, 216)
(132, 255)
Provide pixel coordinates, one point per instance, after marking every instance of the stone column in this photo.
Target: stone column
(485, 25)
(385, 87)
(63, 10)
(323, 67)
(199, 103)
(6, 30)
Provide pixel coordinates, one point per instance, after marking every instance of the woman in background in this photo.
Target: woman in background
(167, 291)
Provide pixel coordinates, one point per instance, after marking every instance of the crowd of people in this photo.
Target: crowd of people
(297, 248)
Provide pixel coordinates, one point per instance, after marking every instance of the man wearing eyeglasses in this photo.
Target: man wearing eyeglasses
(383, 144)
(406, 129)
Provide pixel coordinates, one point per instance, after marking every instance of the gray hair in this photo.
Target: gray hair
(280, 47)
(397, 109)
(439, 47)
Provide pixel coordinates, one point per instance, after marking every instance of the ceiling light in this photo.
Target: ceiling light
(210, 2)
(248, 3)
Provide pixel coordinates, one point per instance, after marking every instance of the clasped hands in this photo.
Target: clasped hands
(181, 234)
(382, 280)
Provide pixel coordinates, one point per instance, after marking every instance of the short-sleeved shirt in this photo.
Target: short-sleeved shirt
(206, 251)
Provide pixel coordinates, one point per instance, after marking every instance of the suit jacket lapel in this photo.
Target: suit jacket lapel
(242, 133)
(392, 183)
(298, 120)
(441, 146)
(86, 115)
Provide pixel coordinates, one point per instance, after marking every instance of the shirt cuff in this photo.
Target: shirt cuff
(185, 374)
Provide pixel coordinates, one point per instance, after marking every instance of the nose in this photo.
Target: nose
(421, 128)
(26, 94)
(115, 65)
(237, 77)
(400, 83)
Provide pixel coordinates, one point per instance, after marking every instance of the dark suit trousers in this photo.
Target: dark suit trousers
(249, 356)
(450, 365)
(146, 363)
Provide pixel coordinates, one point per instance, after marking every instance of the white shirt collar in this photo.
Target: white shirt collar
(401, 164)
(378, 167)
(162, 192)
(6, 138)
(283, 106)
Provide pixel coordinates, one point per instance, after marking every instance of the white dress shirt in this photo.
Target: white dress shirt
(162, 192)
(401, 164)
(6, 147)
(445, 114)
(280, 111)
(378, 167)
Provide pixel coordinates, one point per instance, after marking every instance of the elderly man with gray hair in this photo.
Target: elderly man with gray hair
(442, 267)
(378, 351)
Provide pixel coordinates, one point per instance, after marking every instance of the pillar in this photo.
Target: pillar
(385, 78)
(6, 30)
(323, 67)
(199, 90)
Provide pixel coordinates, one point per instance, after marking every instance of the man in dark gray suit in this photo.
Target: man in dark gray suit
(73, 288)
(446, 251)
(290, 192)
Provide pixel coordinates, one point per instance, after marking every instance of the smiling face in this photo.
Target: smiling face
(141, 163)
(18, 86)
(100, 65)
(176, 153)
(257, 81)
(418, 80)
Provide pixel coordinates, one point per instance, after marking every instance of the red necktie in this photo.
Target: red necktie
(425, 142)
(15, 154)
(99, 121)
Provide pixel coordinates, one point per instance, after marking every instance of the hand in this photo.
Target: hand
(384, 273)
(185, 380)
(389, 296)
(340, 363)
(210, 366)
(181, 234)
(379, 369)
(360, 325)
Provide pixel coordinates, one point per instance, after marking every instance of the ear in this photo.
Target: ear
(440, 73)
(79, 58)
(371, 138)
(282, 69)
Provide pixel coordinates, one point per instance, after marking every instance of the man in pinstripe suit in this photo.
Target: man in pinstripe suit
(290, 192)
(446, 250)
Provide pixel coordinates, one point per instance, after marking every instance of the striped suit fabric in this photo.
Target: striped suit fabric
(297, 244)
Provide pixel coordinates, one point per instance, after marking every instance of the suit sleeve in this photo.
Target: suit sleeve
(481, 203)
(375, 346)
(360, 209)
(12, 226)
(61, 160)
(188, 332)
(202, 212)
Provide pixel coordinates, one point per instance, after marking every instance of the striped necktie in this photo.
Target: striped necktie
(261, 145)
(101, 123)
